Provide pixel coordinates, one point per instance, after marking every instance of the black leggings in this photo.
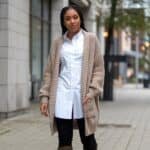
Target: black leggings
(65, 133)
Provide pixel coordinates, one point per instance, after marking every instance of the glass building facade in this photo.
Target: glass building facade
(40, 22)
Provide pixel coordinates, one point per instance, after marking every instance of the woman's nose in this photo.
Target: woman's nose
(72, 20)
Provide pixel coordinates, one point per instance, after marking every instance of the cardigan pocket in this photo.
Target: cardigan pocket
(89, 110)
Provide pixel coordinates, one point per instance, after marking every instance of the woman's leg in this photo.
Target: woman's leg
(65, 131)
(89, 142)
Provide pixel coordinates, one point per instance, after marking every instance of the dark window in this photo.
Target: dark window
(39, 41)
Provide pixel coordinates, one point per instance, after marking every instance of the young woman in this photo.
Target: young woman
(73, 81)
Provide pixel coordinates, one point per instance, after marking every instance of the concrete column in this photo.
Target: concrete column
(14, 56)
(57, 5)
(3, 55)
(102, 40)
(90, 19)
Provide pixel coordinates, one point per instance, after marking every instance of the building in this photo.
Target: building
(27, 28)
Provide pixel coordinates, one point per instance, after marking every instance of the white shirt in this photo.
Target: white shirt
(68, 98)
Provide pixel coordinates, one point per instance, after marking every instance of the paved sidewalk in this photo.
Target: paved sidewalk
(124, 125)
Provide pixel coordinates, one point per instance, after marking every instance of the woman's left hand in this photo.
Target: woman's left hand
(86, 100)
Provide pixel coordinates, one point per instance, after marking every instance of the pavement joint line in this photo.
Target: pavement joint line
(25, 121)
(114, 125)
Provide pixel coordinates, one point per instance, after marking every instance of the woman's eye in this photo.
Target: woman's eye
(67, 19)
(75, 17)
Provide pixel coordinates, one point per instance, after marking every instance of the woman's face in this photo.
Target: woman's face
(72, 21)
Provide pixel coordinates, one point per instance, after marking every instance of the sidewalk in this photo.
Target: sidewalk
(124, 125)
(126, 120)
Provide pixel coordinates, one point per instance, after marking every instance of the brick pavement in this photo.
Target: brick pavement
(124, 125)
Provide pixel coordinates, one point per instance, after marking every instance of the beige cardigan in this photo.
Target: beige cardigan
(92, 77)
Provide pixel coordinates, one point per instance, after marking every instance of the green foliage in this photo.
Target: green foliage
(131, 17)
(132, 79)
(141, 64)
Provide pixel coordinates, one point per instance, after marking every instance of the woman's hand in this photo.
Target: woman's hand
(86, 100)
(44, 109)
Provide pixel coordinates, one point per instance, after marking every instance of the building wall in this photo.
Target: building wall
(125, 43)
(102, 39)
(90, 19)
(56, 7)
(3, 54)
(14, 56)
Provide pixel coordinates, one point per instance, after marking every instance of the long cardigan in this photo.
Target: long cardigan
(92, 77)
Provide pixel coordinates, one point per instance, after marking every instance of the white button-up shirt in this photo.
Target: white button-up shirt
(68, 98)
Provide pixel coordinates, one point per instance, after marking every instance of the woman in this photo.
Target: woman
(73, 81)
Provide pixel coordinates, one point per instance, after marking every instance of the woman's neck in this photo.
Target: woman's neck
(71, 34)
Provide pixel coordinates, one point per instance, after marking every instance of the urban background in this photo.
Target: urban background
(27, 28)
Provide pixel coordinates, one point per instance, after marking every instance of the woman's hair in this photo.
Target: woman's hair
(62, 14)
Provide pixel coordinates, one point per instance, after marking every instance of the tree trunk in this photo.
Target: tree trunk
(108, 81)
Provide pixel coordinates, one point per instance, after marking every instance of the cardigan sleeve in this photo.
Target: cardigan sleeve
(45, 88)
(97, 80)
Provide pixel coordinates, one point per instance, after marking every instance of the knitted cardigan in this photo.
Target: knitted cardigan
(92, 77)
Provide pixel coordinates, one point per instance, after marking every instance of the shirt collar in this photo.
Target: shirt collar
(76, 36)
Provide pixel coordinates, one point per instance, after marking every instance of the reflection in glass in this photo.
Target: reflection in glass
(45, 43)
(36, 49)
(46, 10)
(36, 8)
(40, 41)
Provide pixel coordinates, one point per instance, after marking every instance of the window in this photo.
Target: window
(36, 49)
(36, 8)
(39, 41)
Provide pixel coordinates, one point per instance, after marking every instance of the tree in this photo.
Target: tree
(121, 17)
(108, 81)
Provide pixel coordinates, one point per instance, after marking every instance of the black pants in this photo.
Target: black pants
(65, 133)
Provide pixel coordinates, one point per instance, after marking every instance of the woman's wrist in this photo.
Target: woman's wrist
(44, 99)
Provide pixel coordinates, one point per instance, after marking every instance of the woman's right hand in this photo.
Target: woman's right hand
(44, 109)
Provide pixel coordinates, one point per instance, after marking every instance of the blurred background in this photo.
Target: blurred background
(27, 29)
